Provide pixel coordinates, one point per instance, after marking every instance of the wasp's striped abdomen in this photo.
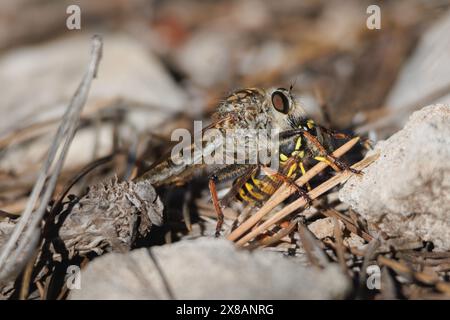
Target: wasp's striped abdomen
(259, 187)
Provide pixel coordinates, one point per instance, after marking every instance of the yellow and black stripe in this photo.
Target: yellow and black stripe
(259, 187)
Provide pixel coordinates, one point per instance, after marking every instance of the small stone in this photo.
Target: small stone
(354, 241)
(323, 228)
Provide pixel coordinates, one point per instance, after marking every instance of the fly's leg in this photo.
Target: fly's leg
(367, 143)
(223, 174)
(215, 199)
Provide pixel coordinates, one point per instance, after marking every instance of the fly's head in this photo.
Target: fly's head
(283, 108)
(255, 108)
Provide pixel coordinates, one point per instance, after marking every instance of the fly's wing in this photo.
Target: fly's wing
(176, 168)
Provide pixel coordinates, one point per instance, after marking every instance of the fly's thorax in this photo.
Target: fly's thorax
(243, 108)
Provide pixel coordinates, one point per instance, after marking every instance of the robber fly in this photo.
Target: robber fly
(300, 140)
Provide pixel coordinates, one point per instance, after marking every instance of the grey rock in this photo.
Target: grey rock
(206, 268)
(406, 192)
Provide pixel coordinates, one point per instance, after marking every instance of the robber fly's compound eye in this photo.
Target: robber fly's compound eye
(280, 102)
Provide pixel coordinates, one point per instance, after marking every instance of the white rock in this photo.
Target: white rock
(206, 269)
(407, 190)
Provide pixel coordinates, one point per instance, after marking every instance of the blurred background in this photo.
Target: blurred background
(166, 63)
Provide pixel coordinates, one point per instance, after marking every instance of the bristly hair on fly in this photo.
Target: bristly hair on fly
(295, 121)
(292, 85)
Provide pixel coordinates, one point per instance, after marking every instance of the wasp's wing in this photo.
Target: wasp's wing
(238, 183)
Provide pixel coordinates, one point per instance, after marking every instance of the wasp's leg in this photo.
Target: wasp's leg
(323, 156)
(366, 143)
(271, 172)
(303, 171)
(335, 134)
(337, 164)
(220, 175)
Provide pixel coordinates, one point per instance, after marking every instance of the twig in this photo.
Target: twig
(321, 189)
(26, 279)
(403, 269)
(27, 229)
(368, 255)
(285, 191)
(84, 171)
(388, 287)
(313, 247)
(41, 289)
(333, 213)
(275, 238)
(443, 287)
(340, 250)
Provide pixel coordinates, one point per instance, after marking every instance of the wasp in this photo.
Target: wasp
(300, 149)
(300, 142)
